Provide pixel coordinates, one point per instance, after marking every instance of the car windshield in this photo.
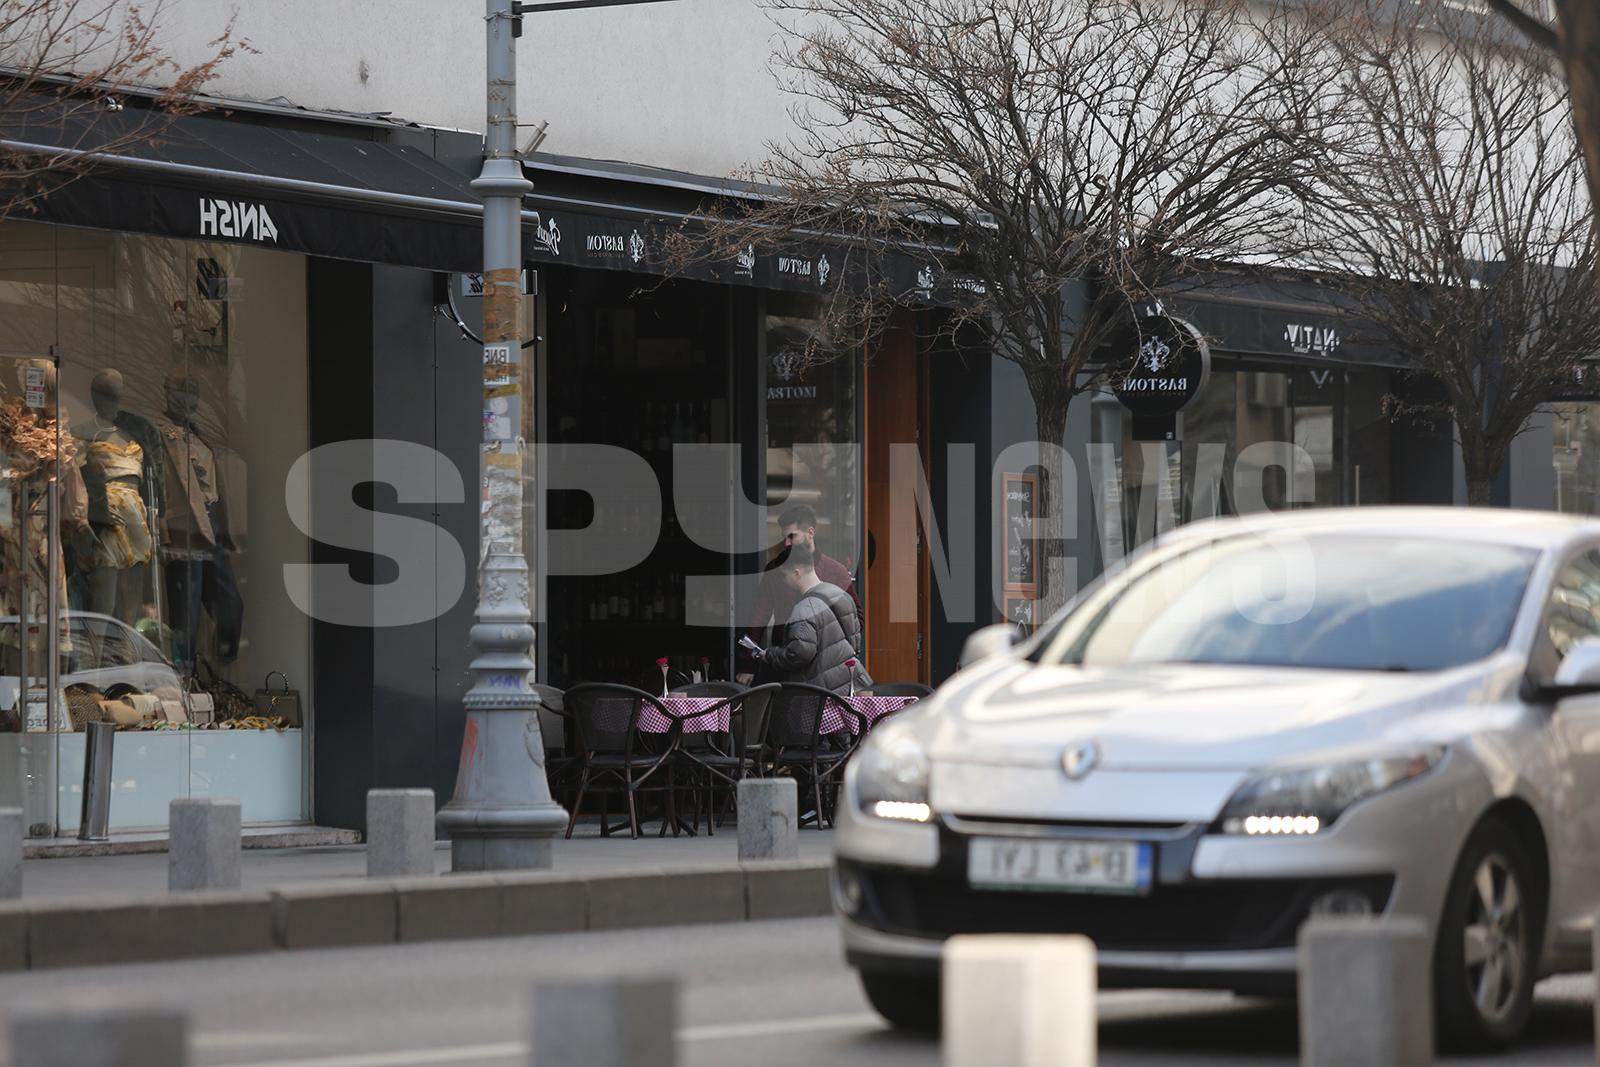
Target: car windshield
(1317, 601)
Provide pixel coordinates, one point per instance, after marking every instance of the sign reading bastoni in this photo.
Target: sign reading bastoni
(1160, 364)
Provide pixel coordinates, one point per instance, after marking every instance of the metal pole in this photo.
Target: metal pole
(501, 815)
(95, 820)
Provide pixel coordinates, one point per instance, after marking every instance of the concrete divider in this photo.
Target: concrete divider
(87, 931)
(12, 831)
(666, 897)
(203, 843)
(769, 819)
(605, 1022)
(326, 914)
(513, 904)
(786, 889)
(1366, 992)
(1027, 1001)
(100, 1037)
(399, 832)
(37, 934)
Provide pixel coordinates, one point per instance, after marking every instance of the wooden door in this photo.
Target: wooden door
(895, 405)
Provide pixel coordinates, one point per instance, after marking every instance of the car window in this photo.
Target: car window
(1572, 611)
(1340, 601)
(109, 644)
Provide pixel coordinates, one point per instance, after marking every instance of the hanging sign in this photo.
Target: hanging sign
(1160, 364)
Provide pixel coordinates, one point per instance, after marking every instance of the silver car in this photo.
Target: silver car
(1363, 711)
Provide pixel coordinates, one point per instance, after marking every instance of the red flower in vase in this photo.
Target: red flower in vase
(662, 662)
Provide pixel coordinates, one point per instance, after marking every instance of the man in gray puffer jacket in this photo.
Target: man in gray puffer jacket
(823, 632)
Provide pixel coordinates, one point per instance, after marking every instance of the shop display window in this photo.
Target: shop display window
(153, 395)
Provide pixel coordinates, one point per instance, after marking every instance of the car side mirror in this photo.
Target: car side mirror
(987, 642)
(1580, 668)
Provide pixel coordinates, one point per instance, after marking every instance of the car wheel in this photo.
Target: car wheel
(907, 1002)
(1486, 960)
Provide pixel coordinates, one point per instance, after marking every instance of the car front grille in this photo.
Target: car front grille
(1193, 916)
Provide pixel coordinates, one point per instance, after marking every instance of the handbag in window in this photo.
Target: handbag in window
(282, 702)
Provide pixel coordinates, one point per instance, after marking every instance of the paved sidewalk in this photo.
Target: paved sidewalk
(586, 853)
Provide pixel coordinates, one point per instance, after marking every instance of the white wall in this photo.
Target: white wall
(683, 85)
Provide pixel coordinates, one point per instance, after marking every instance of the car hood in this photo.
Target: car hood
(1189, 717)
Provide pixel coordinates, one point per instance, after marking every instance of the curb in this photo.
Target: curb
(137, 844)
(87, 932)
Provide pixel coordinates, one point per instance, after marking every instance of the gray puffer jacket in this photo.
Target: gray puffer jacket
(823, 633)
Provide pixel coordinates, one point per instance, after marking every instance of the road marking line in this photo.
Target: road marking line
(509, 1049)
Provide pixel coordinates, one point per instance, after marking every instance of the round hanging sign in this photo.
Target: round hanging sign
(1161, 364)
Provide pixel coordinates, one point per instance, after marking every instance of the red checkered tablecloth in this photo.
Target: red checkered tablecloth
(652, 721)
(872, 708)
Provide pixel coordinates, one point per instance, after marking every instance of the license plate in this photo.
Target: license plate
(1082, 866)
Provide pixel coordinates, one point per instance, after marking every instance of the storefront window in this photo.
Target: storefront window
(183, 403)
(813, 453)
(1576, 457)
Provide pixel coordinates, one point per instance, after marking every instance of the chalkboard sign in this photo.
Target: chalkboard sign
(1021, 513)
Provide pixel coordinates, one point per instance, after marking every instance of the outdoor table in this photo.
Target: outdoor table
(870, 708)
(652, 721)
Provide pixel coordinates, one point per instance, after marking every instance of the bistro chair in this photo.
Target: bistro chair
(556, 729)
(717, 760)
(615, 756)
(796, 743)
(896, 689)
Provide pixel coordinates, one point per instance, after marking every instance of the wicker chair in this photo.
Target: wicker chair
(613, 756)
(796, 743)
(713, 761)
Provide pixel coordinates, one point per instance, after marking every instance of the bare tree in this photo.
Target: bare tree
(1569, 30)
(1070, 158)
(67, 69)
(1458, 220)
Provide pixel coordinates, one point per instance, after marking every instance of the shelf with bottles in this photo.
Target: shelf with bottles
(655, 599)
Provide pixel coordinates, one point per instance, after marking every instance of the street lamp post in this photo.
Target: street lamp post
(502, 815)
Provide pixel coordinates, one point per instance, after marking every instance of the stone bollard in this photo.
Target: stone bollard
(399, 832)
(12, 829)
(1021, 1000)
(203, 844)
(605, 1022)
(1366, 993)
(100, 1037)
(769, 819)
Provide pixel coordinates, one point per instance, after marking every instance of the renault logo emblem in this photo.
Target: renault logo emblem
(1079, 759)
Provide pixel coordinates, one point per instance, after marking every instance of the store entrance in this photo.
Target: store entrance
(640, 365)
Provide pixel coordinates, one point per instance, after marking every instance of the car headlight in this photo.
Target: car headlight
(1298, 801)
(891, 775)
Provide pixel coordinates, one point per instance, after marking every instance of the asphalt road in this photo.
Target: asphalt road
(775, 992)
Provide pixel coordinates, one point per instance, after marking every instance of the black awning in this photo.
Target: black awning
(1285, 319)
(352, 194)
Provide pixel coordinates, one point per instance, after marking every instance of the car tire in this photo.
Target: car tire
(1486, 958)
(907, 1002)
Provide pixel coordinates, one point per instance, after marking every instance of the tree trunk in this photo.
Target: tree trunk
(1060, 496)
(1479, 492)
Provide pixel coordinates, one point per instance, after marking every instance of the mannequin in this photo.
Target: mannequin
(36, 447)
(119, 548)
(194, 530)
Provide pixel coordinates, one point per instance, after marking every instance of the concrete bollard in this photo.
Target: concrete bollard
(100, 1037)
(203, 844)
(1020, 1000)
(399, 832)
(769, 819)
(605, 1022)
(12, 830)
(1366, 993)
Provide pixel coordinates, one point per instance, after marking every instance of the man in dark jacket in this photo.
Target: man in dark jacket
(775, 599)
(823, 630)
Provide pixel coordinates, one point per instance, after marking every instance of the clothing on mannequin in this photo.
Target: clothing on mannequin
(194, 530)
(120, 545)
